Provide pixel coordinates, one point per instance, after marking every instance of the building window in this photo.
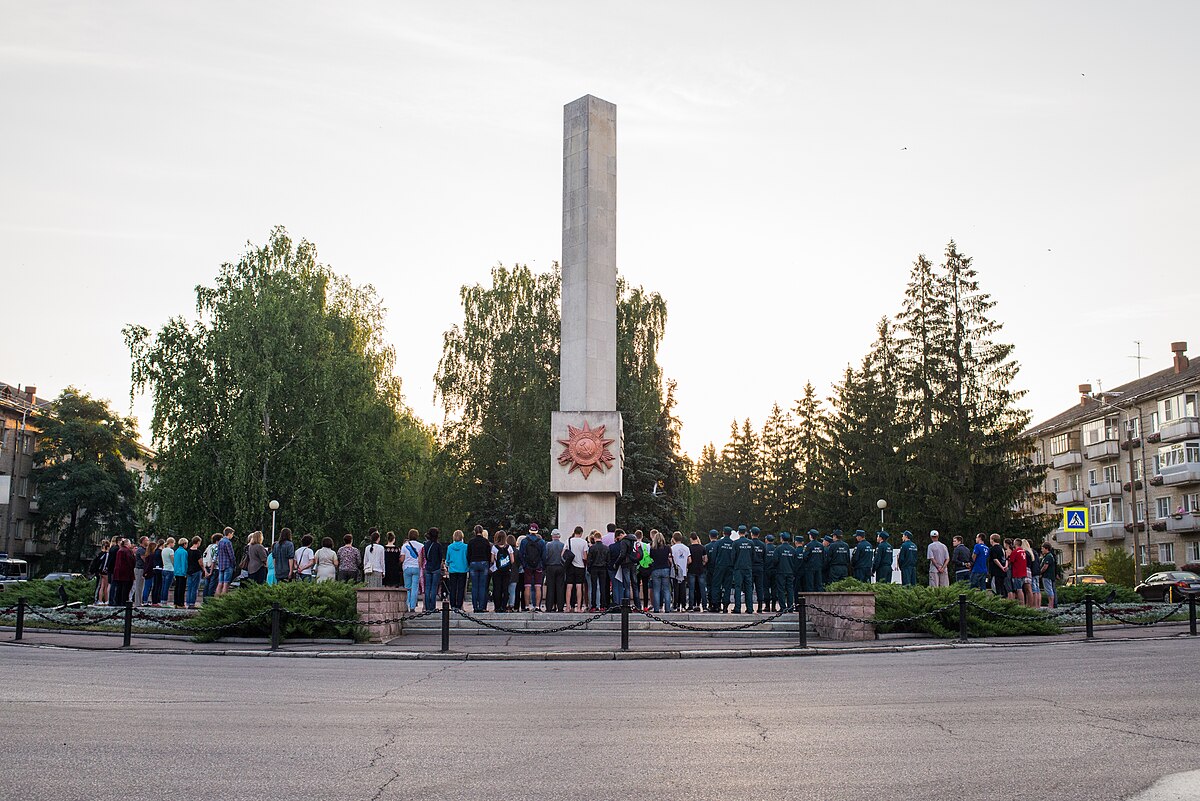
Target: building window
(1139, 512)
(1113, 473)
(1055, 484)
(1062, 443)
(1193, 551)
(1166, 553)
(1108, 511)
(1101, 430)
(1153, 422)
(1081, 559)
(1178, 454)
(1138, 470)
(1191, 502)
(23, 486)
(1162, 508)
(1143, 555)
(1135, 423)
(1092, 477)
(1073, 481)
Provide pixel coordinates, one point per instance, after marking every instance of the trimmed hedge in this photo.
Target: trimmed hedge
(1074, 594)
(332, 599)
(894, 602)
(38, 592)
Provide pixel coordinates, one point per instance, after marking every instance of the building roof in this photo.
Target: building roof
(16, 398)
(1124, 396)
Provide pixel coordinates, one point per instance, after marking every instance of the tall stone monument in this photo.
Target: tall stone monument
(586, 438)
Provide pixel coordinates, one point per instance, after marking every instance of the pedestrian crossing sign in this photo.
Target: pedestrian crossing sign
(1075, 520)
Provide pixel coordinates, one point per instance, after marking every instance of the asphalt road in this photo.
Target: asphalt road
(1088, 721)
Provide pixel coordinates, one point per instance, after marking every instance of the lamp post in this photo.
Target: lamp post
(882, 504)
(274, 506)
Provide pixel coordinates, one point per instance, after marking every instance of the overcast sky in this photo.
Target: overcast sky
(780, 167)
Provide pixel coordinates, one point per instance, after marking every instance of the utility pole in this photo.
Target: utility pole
(1137, 550)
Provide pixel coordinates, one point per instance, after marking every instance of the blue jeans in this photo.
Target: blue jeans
(412, 582)
(660, 589)
(479, 583)
(168, 581)
(193, 585)
(148, 586)
(618, 587)
(979, 581)
(433, 578)
(210, 584)
(512, 590)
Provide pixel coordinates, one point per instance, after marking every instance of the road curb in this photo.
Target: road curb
(594, 656)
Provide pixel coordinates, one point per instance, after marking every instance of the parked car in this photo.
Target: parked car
(62, 576)
(1085, 579)
(1170, 586)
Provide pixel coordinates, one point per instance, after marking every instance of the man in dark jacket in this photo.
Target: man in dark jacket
(862, 560)
(122, 572)
(837, 558)
(883, 559)
(785, 572)
(597, 568)
(813, 560)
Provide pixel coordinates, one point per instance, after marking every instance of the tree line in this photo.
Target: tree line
(282, 387)
(928, 421)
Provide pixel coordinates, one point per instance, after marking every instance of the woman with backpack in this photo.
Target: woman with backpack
(660, 573)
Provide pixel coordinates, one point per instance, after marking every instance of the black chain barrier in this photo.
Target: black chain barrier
(740, 627)
(556, 630)
(874, 621)
(1175, 610)
(81, 617)
(341, 622)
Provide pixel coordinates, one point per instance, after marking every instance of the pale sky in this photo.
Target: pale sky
(780, 166)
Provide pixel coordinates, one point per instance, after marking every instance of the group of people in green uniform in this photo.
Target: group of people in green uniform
(747, 571)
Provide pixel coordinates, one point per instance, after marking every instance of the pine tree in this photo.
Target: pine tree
(779, 493)
(808, 454)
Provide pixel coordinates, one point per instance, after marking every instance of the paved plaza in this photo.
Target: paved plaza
(969, 724)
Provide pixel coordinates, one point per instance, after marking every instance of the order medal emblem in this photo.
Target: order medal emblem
(586, 449)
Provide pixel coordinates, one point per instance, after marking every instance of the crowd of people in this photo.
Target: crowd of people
(735, 570)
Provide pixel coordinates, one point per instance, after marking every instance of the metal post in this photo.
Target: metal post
(1191, 615)
(625, 625)
(21, 617)
(445, 626)
(802, 617)
(128, 623)
(1087, 605)
(962, 617)
(276, 629)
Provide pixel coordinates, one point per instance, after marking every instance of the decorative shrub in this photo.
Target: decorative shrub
(895, 603)
(1075, 594)
(38, 592)
(332, 599)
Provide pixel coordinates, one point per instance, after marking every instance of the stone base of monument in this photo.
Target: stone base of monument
(783, 630)
(850, 604)
(382, 603)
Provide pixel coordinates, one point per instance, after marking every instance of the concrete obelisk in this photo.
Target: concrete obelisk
(586, 454)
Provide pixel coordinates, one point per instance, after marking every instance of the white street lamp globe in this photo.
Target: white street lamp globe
(881, 503)
(273, 505)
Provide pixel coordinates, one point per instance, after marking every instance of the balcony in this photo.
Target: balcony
(1065, 460)
(1070, 538)
(1068, 497)
(1183, 428)
(1105, 489)
(1127, 444)
(1179, 475)
(1113, 530)
(1108, 449)
(34, 505)
(1188, 523)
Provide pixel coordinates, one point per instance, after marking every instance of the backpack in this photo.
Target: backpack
(644, 560)
(568, 556)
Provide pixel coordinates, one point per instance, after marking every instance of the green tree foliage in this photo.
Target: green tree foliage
(498, 380)
(1115, 564)
(282, 388)
(928, 421)
(83, 484)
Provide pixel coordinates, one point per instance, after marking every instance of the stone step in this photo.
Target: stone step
(788, 625)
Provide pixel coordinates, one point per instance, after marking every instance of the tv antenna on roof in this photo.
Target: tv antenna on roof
(1140, 358)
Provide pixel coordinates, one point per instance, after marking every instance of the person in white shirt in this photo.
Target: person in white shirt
(306, 559)
(373, 564)
(168, 570)
(939, 561)
(679, 555)
(577, 572)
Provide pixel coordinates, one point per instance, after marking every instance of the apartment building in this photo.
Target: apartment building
(1132, 456)
(18, 495)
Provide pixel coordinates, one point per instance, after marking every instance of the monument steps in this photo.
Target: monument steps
(786, 626)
